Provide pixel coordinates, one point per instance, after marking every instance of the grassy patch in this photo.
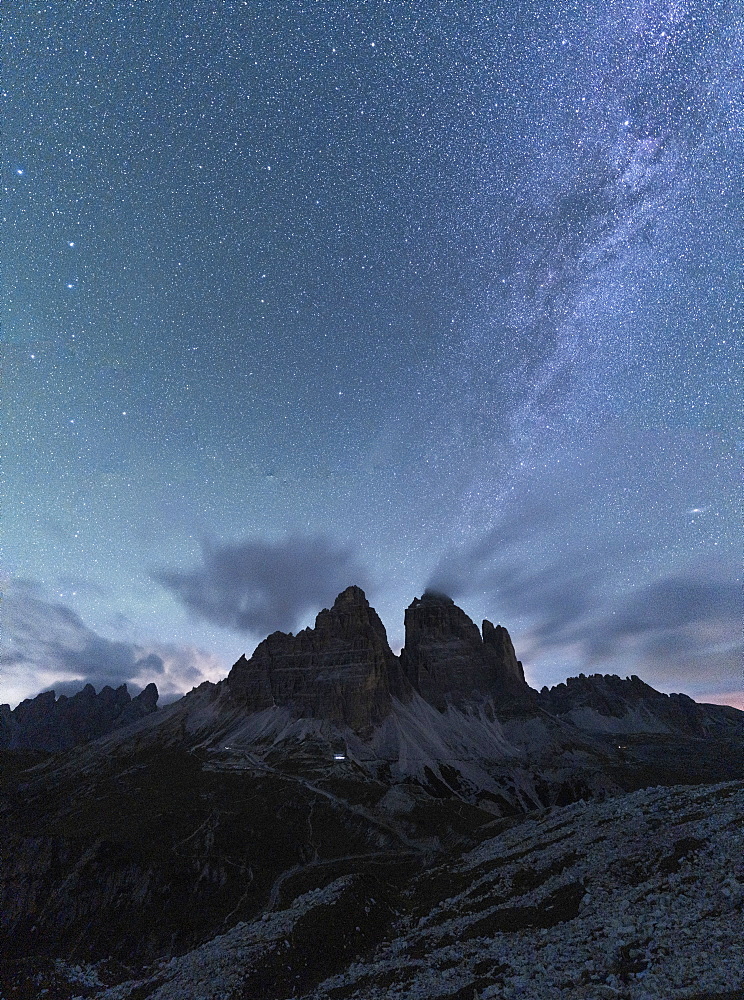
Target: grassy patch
(525, 880)
(671, 863)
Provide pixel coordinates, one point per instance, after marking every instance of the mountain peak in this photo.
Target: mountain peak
(433, 597)
(448, 661)
(603, 701)
(352, 595)
(342, 670)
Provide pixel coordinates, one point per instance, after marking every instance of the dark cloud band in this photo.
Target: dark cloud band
(48, 645)
(258, 586)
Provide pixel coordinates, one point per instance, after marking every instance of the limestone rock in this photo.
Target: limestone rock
(609, 697)
(52, 724)
(510, 672)
(448, 661)
(342, 670)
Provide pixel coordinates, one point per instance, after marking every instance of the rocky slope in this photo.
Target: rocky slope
(51, 724)
(342, 670)
(637, 898)
(316, 815)
(605, 703)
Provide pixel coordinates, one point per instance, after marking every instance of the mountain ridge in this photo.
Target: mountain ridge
(342, 669)
(52, 724)
(326, 785)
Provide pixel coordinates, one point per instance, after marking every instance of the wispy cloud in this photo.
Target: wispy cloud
(680, 630)
(584, 563)
(47, 645)
(258, 586)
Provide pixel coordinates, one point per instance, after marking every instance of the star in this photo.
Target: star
(519, 285)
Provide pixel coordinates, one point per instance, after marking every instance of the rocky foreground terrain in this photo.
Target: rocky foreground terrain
(332, 821)
(637, 897)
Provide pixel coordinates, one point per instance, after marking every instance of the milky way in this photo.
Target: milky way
(302, 295)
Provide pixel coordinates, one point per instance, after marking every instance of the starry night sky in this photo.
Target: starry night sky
(303, 294)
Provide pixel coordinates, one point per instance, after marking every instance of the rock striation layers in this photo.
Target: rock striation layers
(52, 724)
(448, 661)
(342, 670)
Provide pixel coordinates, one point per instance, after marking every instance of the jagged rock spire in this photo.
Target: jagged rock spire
(342, 669)
(50, 723)
(509, 669)
(448, 661)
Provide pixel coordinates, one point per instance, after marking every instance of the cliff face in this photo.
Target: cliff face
(50, 723)
(342, 670)
(448, 660)
(508, 670)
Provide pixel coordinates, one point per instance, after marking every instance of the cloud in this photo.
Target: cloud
(594, 569)
(659, 614)
(184, 666)
(681, 628)
(47, 645)
(258, 586)
(458, 568)
(680, 631)
(79, 584)
(554, 597)
(119, 622)
(51, 635)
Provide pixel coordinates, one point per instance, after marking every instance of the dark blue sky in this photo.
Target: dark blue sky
(307, 294)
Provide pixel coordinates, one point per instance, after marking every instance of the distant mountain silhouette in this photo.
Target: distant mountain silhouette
(343, 671)
(50, 723)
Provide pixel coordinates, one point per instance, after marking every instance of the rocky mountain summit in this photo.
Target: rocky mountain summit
(342, 670)
(51, 724)
(448, 660)
(332, 821)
